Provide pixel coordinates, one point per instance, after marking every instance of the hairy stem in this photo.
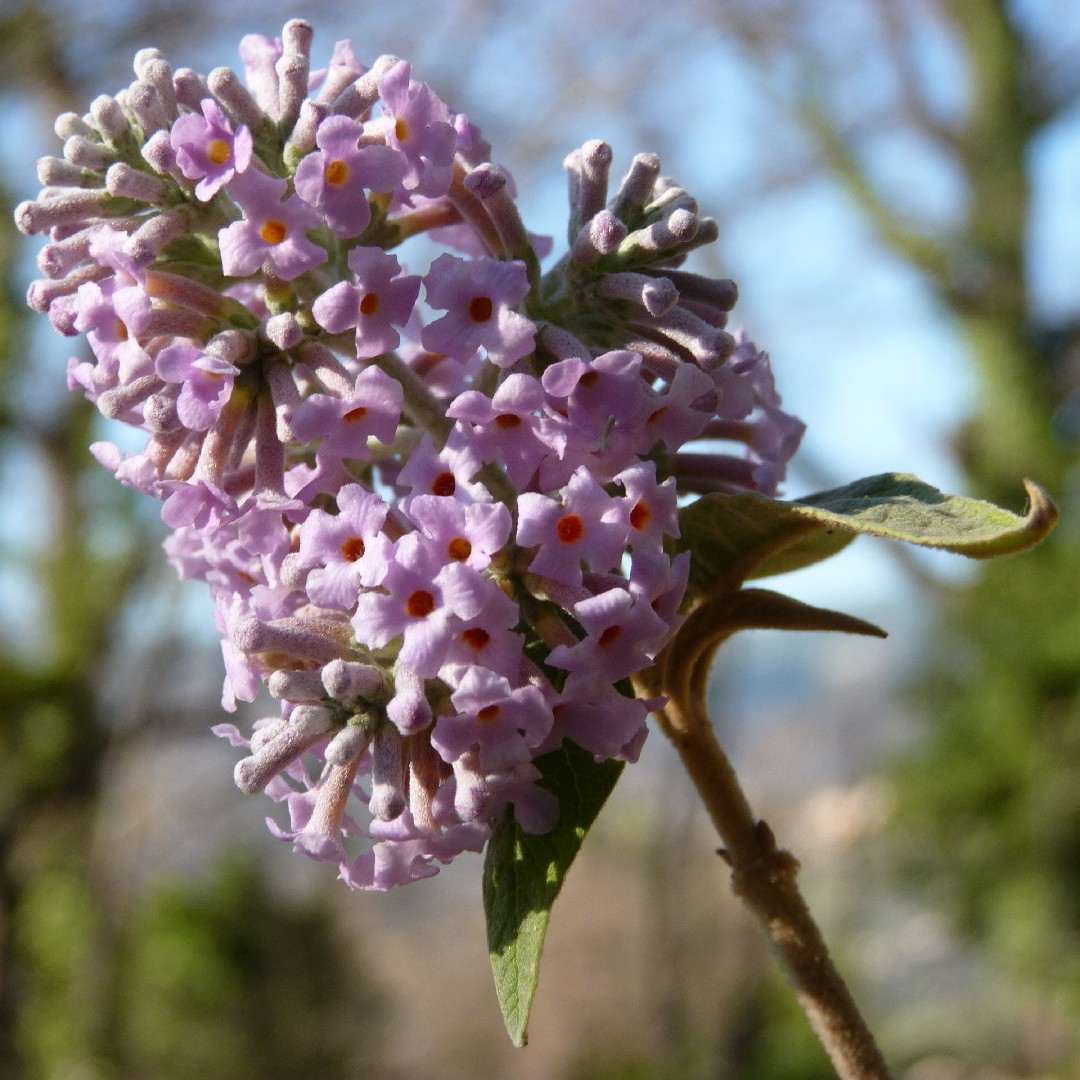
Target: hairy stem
(764, 878)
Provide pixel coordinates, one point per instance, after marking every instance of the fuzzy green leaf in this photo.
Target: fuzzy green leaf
(523, 874)
(733, 538)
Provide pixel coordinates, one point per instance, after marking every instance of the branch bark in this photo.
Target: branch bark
(764, 877)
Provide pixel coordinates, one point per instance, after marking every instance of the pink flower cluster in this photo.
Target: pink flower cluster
(436, 511)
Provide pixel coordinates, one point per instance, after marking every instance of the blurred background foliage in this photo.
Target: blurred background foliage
(131, 946)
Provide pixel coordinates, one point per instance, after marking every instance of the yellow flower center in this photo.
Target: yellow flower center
(219, 152)
(337, 172)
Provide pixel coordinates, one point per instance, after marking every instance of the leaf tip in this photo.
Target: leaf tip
(1042, 513)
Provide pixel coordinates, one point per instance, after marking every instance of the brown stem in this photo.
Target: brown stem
(764, 878)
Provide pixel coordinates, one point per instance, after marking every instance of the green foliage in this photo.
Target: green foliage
(990, 804)
(56, 929)
(12, 306)
(523, 874)
(224, 982)
(212, 982)
(766, 1036)
(615, 1062)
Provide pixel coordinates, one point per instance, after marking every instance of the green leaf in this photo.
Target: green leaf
(736, 537)
(523, 874)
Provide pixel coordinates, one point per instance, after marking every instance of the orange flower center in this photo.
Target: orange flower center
(401, 130)
(420, 605)
(353, 549)
(640, 515)
(273, 231)
(444, 484)
(489, 713)
(354, 415)
(609, 637)
(507, 421)
(459, 549)
(370, 304)
(476, 637)
(570, 529)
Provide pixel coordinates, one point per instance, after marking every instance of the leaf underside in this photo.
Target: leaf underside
(734, 538)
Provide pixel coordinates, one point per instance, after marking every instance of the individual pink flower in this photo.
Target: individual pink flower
(487, 639)
(206, 382)
(506, 427)
(585, 525)
(206, 146)
(597, 393)
(681, 412)
(624, 634)
(420, 600)
(459, 532)
(335, 179)
(372, 410)
(198, 503)
(381, 300)
(651, 508)
(345, 551)
(592, 713)
(501, 722)
(479, 296)
(272, 231)
(417, 123)
(112, 316)
(446, 472)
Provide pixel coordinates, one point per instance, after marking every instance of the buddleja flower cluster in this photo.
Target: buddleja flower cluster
(436, 510)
